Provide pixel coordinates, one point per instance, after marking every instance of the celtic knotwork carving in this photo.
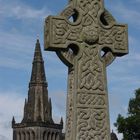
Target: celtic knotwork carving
(119, 39)
(90, 6)
(91, 100)
(87, 20)
(64, 32)
(67, 12)
(87, 29)
(60, 28)
(89, 120)
(114, 38)
(90, 71)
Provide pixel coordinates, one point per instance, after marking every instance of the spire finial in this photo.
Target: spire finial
(38, 53)
(38, 71)
(37, 40)
(37, 37)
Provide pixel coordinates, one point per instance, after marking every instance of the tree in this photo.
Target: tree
(130, 125)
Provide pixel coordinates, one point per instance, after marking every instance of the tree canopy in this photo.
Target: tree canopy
(130, 126)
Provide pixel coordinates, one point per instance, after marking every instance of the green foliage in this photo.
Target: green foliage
(130, 126)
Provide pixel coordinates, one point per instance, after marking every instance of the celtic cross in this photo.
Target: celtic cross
(87, 39)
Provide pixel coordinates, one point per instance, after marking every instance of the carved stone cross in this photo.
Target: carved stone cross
(87, 39)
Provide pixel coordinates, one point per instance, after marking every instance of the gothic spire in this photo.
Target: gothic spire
(38, 72)
(37, 107)
(13, 120)
(61, 121)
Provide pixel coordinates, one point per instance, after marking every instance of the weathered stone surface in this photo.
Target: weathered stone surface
(87, 39)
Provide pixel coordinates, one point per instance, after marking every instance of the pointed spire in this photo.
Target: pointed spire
(38, 54)
(37, 107)
(61, 121)
(13, 121)
(38, 71)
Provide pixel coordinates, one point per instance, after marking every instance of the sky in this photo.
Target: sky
(21, 23)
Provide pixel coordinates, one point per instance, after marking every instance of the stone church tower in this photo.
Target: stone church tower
(113, 136)
(37, 123)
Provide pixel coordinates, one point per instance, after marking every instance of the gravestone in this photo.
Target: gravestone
(87, 39)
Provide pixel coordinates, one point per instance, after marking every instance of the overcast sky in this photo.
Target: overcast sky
(21, 21)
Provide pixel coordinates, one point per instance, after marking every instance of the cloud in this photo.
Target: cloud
(16, 41)
(127, 14)
(21, 11)
(132, 40)
(3, 138)
(11, 103)
(59, 101)
(16, 50)
(14, 63)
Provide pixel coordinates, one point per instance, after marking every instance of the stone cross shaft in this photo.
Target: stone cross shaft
(87, 39)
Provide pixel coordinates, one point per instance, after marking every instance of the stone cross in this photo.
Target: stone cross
(87, 39)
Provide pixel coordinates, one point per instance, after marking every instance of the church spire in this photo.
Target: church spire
(113, 136)
(37, 122)
(38, 54)
(13, 121)
(37, 107)
(61, 121)
(38, 72)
